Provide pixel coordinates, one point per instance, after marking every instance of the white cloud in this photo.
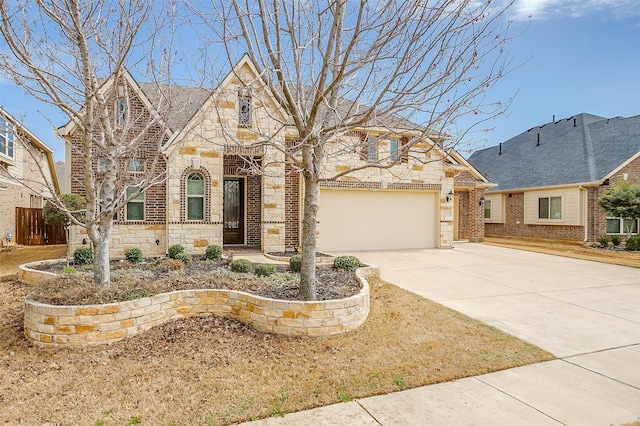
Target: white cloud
(548, 9)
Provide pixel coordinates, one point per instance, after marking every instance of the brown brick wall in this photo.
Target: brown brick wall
(597, 216)
(235, 165)
(470, 216)
(514, 225)
(147, 150)
(291, 199)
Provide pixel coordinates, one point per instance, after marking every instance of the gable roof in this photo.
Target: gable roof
(33, 139)
(580, 149)
(186, 99)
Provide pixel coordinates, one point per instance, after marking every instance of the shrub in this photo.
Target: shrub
(183, 257)
(295, 263)
(264, 269)
(133, 255)
(174, 264)
(68, 270)
(213, 252)
(616, 240)
(83, 256)
(175, 249)
(603, 240)
(633, 244)
(241, 265)
(348, 263)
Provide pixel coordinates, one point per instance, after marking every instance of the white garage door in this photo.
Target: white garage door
(368, 220)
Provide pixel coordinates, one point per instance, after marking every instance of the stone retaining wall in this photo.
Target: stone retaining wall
(52, 326)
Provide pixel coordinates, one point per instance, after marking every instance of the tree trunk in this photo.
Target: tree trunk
(101, 269)
(310, 214)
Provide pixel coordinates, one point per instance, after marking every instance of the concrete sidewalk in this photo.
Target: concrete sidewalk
(585, 313)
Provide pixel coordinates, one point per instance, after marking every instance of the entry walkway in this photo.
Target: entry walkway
(585, 313)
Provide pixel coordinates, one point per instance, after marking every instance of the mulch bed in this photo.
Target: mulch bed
(130, 281)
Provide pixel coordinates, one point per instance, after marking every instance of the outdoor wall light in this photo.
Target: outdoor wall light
(449, 196)
(482, 201)
(84, 241)
(157, 242)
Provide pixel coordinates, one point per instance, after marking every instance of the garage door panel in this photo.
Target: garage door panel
(368, 220)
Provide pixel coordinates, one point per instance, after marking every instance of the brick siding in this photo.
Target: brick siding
(155, 196)
(514, 225)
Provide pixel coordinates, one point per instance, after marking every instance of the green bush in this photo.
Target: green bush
(295, 263)
(241, 265)
(133, 255)
(68, 270)
(616, 240)
(175, 249)
(213, 252)
(183, 257)
(633, 244)
(348, 263)
(264, 269)
(603, 240)
(83, 256)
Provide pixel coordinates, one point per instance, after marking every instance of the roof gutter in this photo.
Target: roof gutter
(539, 188)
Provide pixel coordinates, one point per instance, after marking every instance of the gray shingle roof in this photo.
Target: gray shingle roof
(579, 149)
(186, 101)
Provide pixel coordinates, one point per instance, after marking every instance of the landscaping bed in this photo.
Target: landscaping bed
(132, 281)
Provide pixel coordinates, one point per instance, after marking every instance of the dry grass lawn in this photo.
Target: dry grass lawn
(573, 249)
(212, 371)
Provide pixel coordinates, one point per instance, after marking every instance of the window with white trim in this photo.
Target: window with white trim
(487, 209)
(618, 225)
(7, 132)
(195, 196)
(550, 208)
(135, 166)
(372, 150)
(135, 207)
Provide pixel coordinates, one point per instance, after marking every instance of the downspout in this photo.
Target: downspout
(585, 212)
(166, 205)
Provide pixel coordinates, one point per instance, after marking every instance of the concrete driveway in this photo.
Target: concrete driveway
(586, 313)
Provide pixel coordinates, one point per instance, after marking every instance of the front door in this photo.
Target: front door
(233, 215)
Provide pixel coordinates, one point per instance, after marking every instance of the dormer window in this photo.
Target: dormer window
(7, 132)
(244, 107)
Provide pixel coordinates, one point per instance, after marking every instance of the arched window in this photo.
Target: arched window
(195, 196)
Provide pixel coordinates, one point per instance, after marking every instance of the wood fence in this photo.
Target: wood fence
(32, 231)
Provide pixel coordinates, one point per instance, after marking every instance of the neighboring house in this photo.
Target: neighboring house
(212, 196)
(27, 174)
(550, 177)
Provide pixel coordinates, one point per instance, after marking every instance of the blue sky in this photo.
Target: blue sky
(576, 56)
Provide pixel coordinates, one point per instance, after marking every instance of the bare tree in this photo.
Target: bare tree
(338, 66)
(74, 55)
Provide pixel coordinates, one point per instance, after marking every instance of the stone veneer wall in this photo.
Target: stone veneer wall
(51, 326)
